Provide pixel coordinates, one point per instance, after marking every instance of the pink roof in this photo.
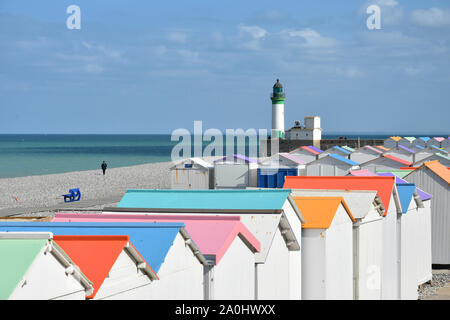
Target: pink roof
(397, 159)
(439, 139)
(362, 173)
(373, 149)
(212, 234)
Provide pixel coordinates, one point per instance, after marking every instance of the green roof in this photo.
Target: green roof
(348, 148)
(16, 257)
(410, 139)
(398, 173)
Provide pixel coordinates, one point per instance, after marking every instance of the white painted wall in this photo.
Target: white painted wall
(389, 272)
(46, 279)
(408, 254)
(361, 156)
(381, 164)
(273, 274)
(180, 275)
(370, 256)
(278, 117)
(339, 257)
(303, 155)
(234, 275)
(125, 281)
(313, 264)
(424, 243)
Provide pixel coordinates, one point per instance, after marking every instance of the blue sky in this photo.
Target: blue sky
(152, 67)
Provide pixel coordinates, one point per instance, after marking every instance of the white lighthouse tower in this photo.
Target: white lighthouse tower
(277, 98)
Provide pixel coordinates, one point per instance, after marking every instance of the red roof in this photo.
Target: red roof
(397, 159)
(94, 255)
(383, 185)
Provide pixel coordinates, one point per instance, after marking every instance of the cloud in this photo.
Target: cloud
(254, 31)
(310, 38)
(433, 17)
(178, 37)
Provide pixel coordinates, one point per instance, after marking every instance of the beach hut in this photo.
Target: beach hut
(224, 241)
(382, 148)
(424, 153)
(434, 178)
(439, 150)
(306, 153)
(387, 191)
(271, 172)
(236, 171)
(192, 173)
(423, 231)
(270, 214)
(167, 247)
(327, 270)
(365, 154)
(407, 142)
(335, 150)
(34, 267)
(402, 152)
(442, 158)
(392, 142)
(113, 264)
(435, 141)
(421, 141)
(385, 162)
(368, 210)
(445, 143)
(331, 165)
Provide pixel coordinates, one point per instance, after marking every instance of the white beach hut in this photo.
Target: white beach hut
(192, 173)
(435, 141)
(236, 171)
(335, 150)
(327, 255)
(434, 178)
(392, 142)
(365, 154)
(271, 215)
(407, 142)
(445, 143)
(421, 141)
(442, 158)
(386, 190)
(402, 152)
(423, 153)
(306, 153)
(368, 210)
(385, 162)
(34, 267)
(331, 165)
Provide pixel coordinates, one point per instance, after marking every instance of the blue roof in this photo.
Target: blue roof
(341, 158)
(247, 199)
(152, 240)
(423, 195)
(405, 193)
(341, 149)
(424, 138)
(418, 146)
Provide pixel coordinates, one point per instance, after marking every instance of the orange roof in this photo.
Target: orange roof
(94, 255)
(439, 169)
(319, 212)
(407, 163)
(383, 185)
(396, 138)
(383, 148)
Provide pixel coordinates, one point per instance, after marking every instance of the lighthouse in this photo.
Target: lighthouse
(277, 98)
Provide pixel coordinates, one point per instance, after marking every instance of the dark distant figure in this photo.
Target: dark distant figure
(104, 166)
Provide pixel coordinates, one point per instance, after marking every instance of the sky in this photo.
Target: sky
(150, 67)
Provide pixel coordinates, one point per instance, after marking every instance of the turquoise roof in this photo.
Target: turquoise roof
(254, 199)
(405, 193)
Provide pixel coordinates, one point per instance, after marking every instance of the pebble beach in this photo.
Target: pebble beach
(47, 190)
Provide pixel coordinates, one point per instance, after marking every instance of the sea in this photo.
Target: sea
(39, 154)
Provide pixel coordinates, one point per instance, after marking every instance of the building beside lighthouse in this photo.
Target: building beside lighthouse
(310, 132)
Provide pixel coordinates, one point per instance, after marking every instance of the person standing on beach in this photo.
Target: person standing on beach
(104, 166)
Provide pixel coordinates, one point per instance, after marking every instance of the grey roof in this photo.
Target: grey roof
(278, 84)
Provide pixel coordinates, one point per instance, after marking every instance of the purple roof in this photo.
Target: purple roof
(318, 150)
(423, 195)
(239, 156)
(407, 149)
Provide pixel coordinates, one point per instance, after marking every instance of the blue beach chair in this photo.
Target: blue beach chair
(73, 195)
